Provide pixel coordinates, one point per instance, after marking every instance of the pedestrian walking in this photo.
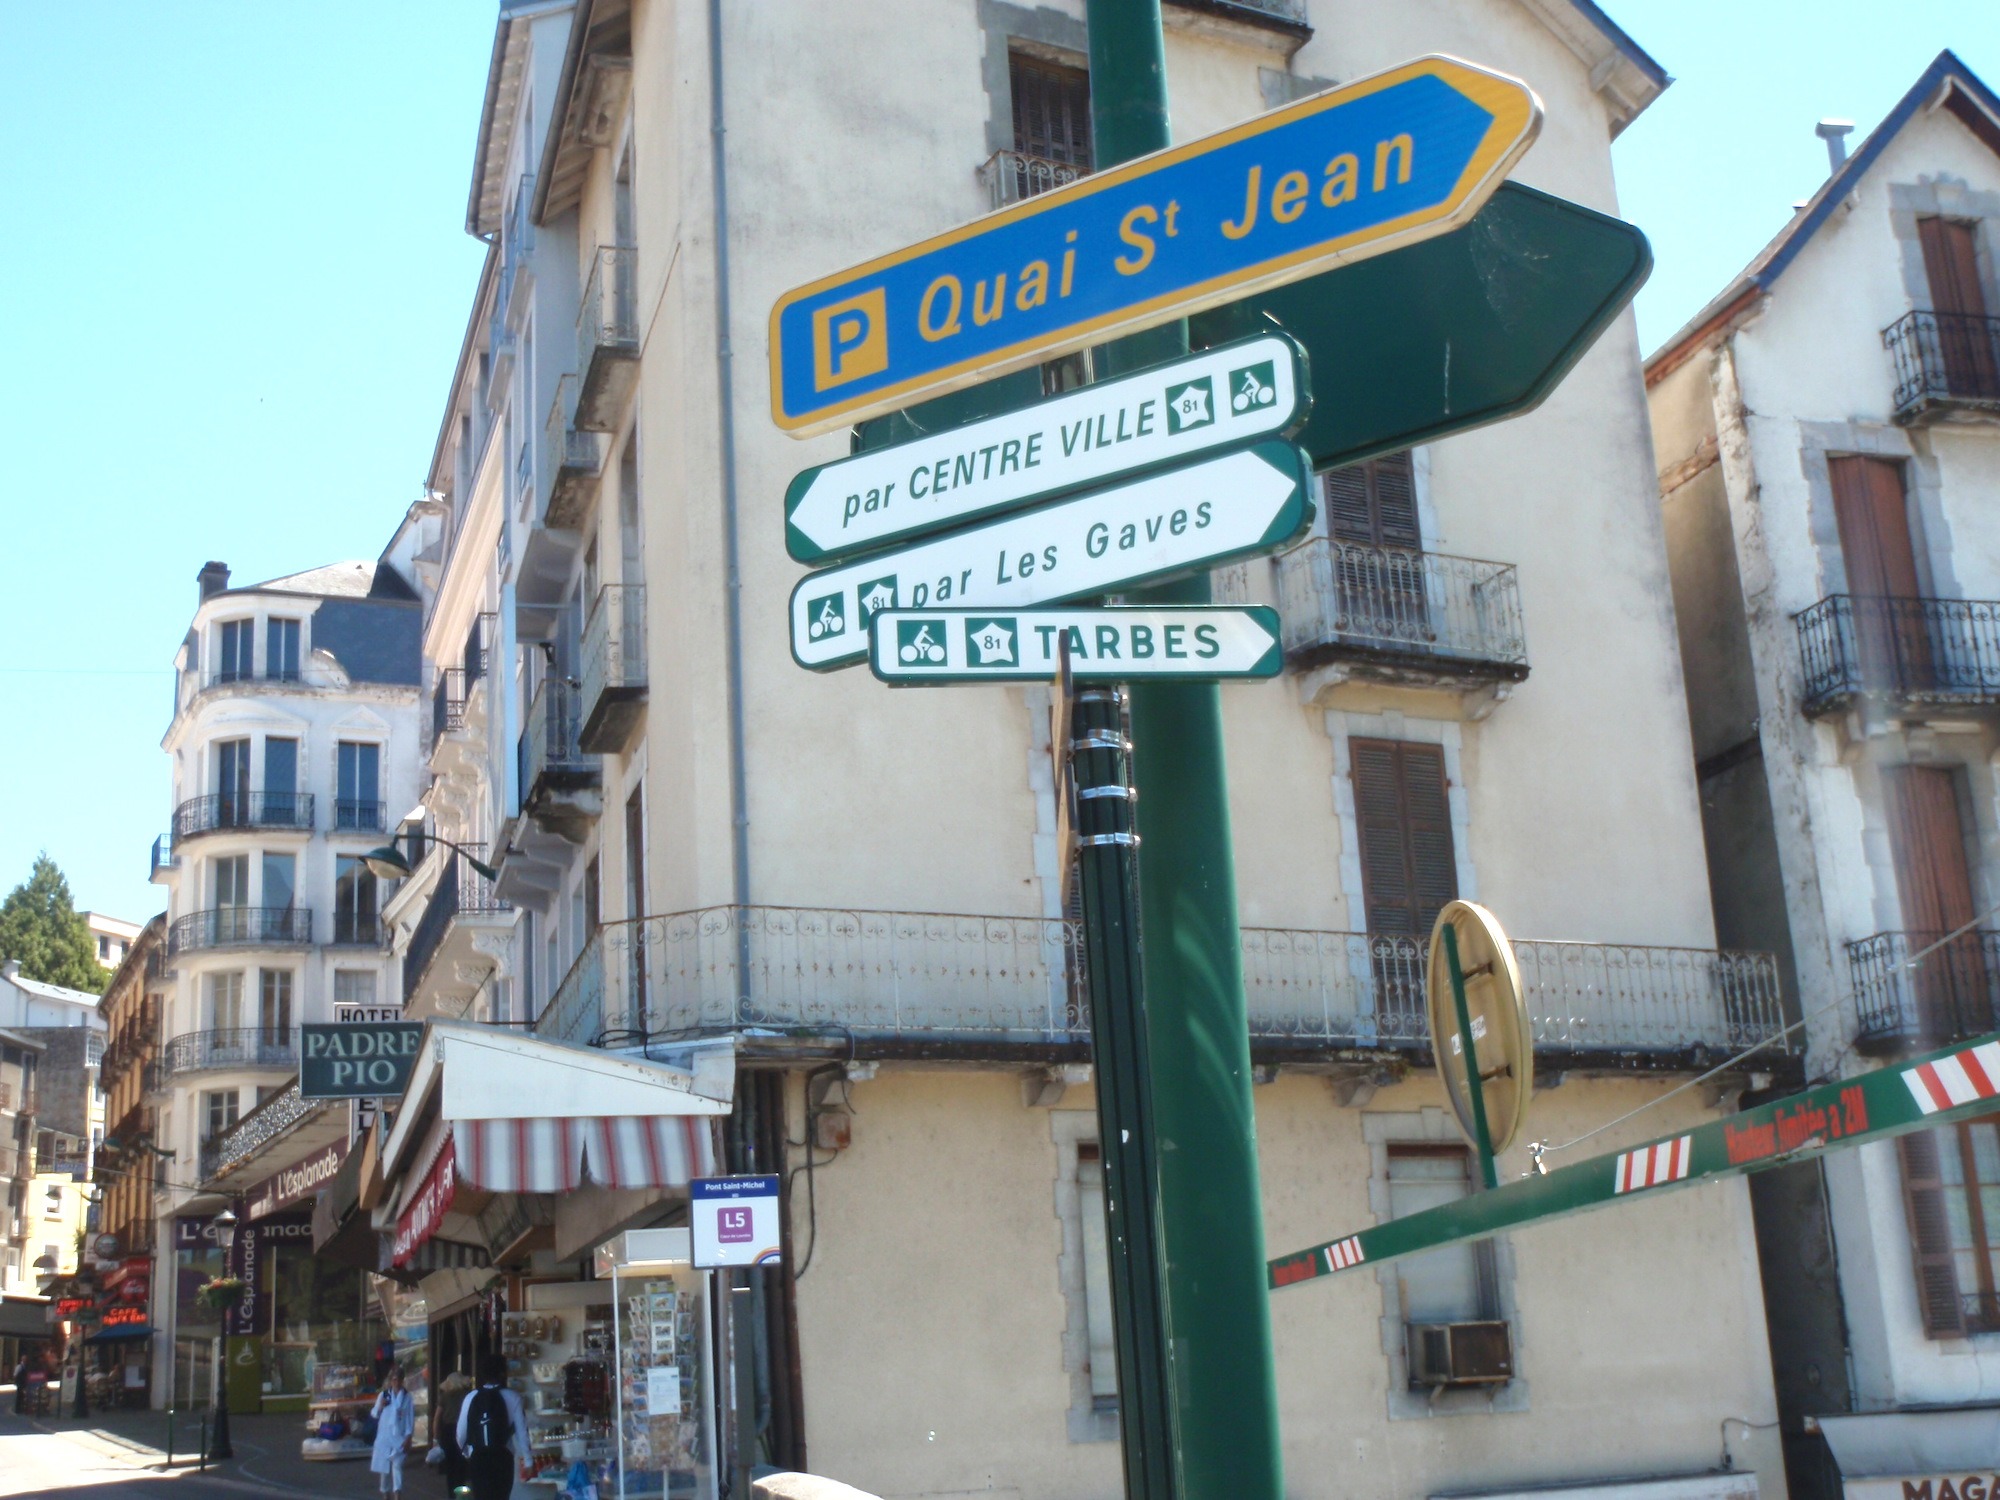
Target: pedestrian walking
(493, 1432)
(453, 1391)
(395, 1417)
(20, 1384)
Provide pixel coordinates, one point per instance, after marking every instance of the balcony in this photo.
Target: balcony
(614, 669)
(517, 243)
(233, 810)
(241, 1143)
(607, 338)
(574, 458)
(1908, 653)
(359, 815)
(914, 980)
(448, 703)
(551, 761)
(1015, 176)
(1403, 617)
(243, 1047)
(462, 904)
(1952, 992)
(500, 346)
(477, 656)
(241, 927)
(1947, 366)
(163, 857)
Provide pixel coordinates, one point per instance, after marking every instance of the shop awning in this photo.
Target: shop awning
(128, 1334)
(1896, 1443)
(24, 1317)
(559, 1156)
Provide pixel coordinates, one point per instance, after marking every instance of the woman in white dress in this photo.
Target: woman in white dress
(395, 1417)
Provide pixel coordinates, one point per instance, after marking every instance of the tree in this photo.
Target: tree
(39, 925)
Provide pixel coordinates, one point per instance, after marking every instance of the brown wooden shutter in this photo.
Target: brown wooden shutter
(1934, 879)
(1951, 265)
(1051, 110)
(1930, 1236)
(1373, 502)
(1408, 868)
(1874, 526)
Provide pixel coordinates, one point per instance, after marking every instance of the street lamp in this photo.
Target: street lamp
(390, 863)
(218, 1440)
(83, 1285)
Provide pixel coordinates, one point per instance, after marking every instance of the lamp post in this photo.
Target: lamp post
(390, 863)
(218, 1441)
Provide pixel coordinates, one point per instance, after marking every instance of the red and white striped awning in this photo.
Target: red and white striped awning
(559, 1156)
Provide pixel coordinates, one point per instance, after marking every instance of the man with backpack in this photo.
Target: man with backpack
(493, 1433)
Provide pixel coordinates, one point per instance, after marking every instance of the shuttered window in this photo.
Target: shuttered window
(1951, 1189)
(1951, 265)
(1373, 502)
(1051, 110)
(1408, 868)
(1453, 1283)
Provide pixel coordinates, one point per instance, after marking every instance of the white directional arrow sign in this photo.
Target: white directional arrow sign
(1217, 399)
(1251, 500)
(1115, 644)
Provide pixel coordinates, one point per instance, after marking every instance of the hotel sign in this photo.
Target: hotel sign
(357, 1059)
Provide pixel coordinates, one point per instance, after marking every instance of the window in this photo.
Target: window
(281, 650)
(225, 1001)
(1051, 111)
(232, 783)
(219, 1112)
(1453, 1283)
(236, 640)
(358, 791)
(280, 881)
(1097, 1277)
(528, 990)
(1965, 337)
(103, 949)
(1409, 871)
(1373, 502)
(281, 783)
(1934, 880)
(354, 901)
(274, 1005)
(353, 987)
(1879, 554)
(52, 1201)
(1951, 1190)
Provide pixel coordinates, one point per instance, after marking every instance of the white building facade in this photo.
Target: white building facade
(1828, 443)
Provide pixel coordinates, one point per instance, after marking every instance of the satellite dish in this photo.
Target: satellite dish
(1502, 1038)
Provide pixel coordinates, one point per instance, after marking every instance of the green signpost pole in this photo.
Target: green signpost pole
(1475, 1085)
(1215, 1312)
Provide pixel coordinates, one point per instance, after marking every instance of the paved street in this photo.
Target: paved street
(122, 1456)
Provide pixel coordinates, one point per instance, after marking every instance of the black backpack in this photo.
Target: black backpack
(488, 1428)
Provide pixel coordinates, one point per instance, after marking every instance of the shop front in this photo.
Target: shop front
(198, 1260)
(120, 1364)
(512, 1164)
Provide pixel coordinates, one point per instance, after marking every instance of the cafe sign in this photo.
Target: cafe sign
(295, 1183)
(357, 1059)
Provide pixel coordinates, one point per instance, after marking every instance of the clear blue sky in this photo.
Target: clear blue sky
(237, 277)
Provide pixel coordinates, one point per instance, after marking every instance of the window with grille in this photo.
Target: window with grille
(1051, 110)
(1409, 869)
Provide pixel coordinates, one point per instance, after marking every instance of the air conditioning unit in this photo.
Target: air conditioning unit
(1452, 1355)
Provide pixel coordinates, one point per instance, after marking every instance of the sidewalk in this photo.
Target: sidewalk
(267, 1451)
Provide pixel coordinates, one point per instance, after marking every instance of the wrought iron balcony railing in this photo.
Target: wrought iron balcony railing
(458, 893)
(1944, 361)
(573, 458)
(917, 976)
(448, 703)
(241, 927)
(264, 1124)
(1926, 651)
(359, 815)
(245, 1047)
(607, 337)
(1408, 614)
(517, 241)
(550, 755)
(227, 810)
(1952, 992)
(614, 666)
(1011, 176)
(478, 653)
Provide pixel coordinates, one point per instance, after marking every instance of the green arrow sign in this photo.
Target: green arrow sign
(1197, 643)
(1462, 330)
(1251, 389)
(1247, 501)
(1938, 1089)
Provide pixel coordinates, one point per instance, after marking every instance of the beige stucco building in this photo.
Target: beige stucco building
(859, 890)
(1829, 455)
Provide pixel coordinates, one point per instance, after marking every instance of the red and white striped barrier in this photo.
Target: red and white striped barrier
(1958, 1079)
(1650, 1166)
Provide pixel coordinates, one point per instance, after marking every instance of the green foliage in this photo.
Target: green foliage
(39, 925)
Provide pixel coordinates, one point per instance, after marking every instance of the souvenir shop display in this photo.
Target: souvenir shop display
(340, 1398)
(559, 1364)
